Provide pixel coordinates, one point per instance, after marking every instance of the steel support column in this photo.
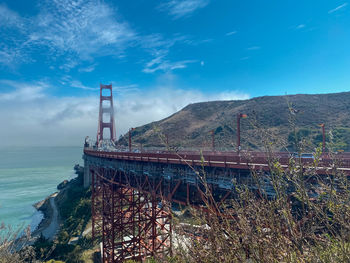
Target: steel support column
(136, 222)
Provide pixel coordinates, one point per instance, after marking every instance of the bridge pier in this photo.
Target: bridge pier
(87, 174)
(131, 201)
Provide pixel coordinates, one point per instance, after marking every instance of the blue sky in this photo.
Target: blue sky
(159, 56)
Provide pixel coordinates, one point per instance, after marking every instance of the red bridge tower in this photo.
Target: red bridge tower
(106, 109)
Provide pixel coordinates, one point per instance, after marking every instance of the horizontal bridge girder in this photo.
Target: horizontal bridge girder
(107, 110)
(106, 98)
(228, 160)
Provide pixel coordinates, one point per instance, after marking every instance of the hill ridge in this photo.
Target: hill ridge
(191, 126)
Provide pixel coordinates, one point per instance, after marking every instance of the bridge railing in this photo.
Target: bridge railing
(190, 150)
(211, 157)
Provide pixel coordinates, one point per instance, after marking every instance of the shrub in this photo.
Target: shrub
(305, 219)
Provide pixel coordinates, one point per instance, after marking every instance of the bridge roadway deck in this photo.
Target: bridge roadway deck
(244, 161)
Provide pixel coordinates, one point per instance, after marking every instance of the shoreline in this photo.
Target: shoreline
(45, 207)
(49, 226)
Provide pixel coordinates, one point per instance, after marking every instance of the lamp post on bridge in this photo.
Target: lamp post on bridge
(130, 130)
(239, 116)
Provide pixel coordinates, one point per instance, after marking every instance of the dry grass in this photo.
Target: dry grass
(14, 245)
(306, 220)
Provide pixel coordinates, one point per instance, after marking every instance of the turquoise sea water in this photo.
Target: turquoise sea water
(28, 175)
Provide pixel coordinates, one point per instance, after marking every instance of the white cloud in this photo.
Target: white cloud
(22, 91)
(182, 8)
(35, 119)
(232, 95)
(75, 32)
(79, 85)
(245, 58)
(79, 30)
(231, 33)
(8, 18)
(300, 26)
(337, 8)
(88, 69)
(254, 48)
(126, 89)
(84, 27)
(13, 41)
(161, 64)
(9, 56)
(153, 42)
(159, 49)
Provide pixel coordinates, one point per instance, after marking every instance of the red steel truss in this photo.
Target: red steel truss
(132, 218)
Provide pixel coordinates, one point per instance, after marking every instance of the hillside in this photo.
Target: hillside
(191, 126)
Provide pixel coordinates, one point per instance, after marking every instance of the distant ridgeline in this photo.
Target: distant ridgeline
(280, 121)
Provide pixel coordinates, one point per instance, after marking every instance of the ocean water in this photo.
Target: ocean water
(28, 175)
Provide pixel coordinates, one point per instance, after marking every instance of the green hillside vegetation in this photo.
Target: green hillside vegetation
(340, 138)
(74, 205)
(191, 126)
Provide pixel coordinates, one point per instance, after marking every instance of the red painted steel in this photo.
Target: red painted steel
(109, 110)
(133, 215)
(126, 208)
(252, 160)
(134, 220)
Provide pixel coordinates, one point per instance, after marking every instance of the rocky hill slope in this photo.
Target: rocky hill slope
(269, 117)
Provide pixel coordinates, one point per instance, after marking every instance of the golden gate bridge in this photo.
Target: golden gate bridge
(132, 192)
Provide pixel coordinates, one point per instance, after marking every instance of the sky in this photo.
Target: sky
(159, 56)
